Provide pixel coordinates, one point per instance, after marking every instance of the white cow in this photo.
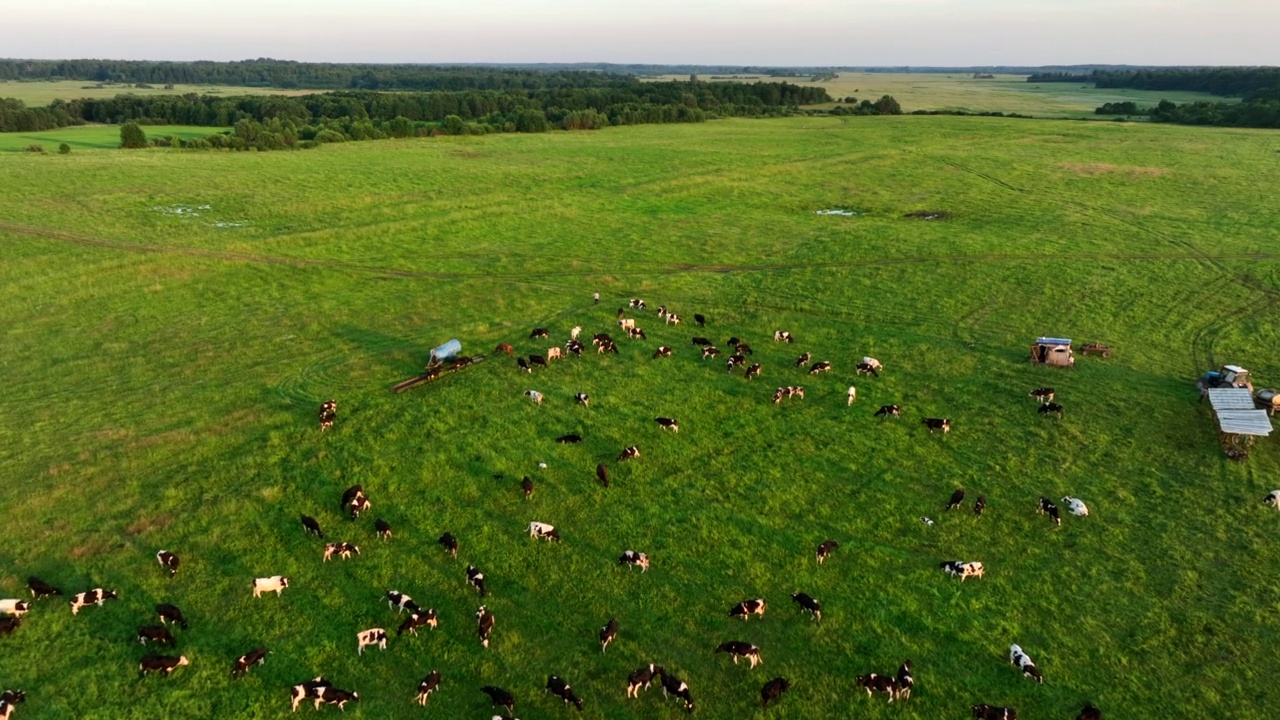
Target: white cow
(275, 583)
(534, 395)
(1272, 499)
(627, 323)
(538, 529)
(15, 608)
(575, 332)
(1076, 506)
(853, 394)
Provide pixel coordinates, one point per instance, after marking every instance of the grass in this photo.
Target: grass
(162, 372)
(40, 93)
(93, 137)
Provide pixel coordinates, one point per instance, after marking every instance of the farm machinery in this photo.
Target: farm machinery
(444, 360)
(1243, 415)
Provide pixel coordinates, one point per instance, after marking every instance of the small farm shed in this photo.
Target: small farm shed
(1053, 351)
(1240, 423)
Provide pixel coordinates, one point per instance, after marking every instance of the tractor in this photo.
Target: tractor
(1229, 376)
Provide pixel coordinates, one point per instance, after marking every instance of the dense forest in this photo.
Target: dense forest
(1251, 114)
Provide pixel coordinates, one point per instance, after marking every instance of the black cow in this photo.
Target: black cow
(820, 367)
(537, 360)
(747, 608)
(171, 614)
(161, 663)
(702, 341)
(9, 624)
(700, 319)
(738, 648)
(383, 528)
(428, 686)
(1051, 408)
(602, 474)
(1046, 506)
(303, 690)
(524, 364)
(168, 561)
(500, 698)
(629, 453)
(668, 424)
(41, 589)
(539, 333)
(674, 686)
(608, 633)
(874, 683)
(599, 338)
(889, 410)
(256, 656)
(943, 424)
(309, 525)
(449, 543)
(1089, 712)
(825, 549)
(991, 712)
(808, 604)
(557, 686)
(979, 505)
(733, 341)
(957, 497)
(569, 439)
(484, 625)
(418, 619)
(773, 690)
(527, 486)
(476, 578)
(642, 678)
(155, 633)
(743, 349)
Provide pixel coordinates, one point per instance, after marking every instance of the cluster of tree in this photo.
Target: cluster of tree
(1059, 77)
(886, 105)
(1121, 108)
(15, 116)
(1242, 82)
(966, 113)
(1250, 114)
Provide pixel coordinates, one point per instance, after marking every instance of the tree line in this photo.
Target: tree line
(1250, 114)
(1249, 83)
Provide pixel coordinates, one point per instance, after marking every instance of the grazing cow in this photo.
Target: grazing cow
(418, 619)
(1022, 661)
(979, 505)
(629, 453)
(632, 558)
(158, 634)
(534, 395)
(309, 525)
(276, 583)
(328, 413)
(449, 543)
(256, 656)
(557, 686)
(778, 395)
(709, 352)
(825, 548)
(608, 633)
(169, 561)
(957, 497)
(677, 688)
(773, 690)
(537, 360)
(1076, 506)
(303, 690)
(874, 683)
(504, 348)
(808, 604)
(13, 697)
(853, 394)
(962, 570)
(747, 608)
(41, 589)
(343, 550)
(636, 333)
(527, 486)
(476, 579)
(500, 698)
(700, 319)
(1046, 507)
(358, 505)
(602, 474)
(636, 303)
(334, 696)
(600, 338)
(663, 351)
(1272, 499)
(627, 323)
(943, 424)
(889, 411)
(554, 354)
(803, 359)
(575, 332)
(372, 636)
(524, 365)
(539, 333)
(1043, 394)
(569, 439)
(171, 614)
(428, 685)
(820, 367)
(642, 678)
(737, 649)
(701, 341)
(743, 349)
(781, 336)
(350, 496)
(574, 347)
(582, 399)
(97, 596)
(927, 521)
(484, 625)
(904, 682)
(543, 530)
(733, 361)
(14, 608)
(9, 624)
(992, 712)
(672, 319)
(865, 369)
(607, 347)
(753, 370)
(733, 342)
(161, 663)
(383, 528)
(1089, 712)
(1051, 409)
(668, 424)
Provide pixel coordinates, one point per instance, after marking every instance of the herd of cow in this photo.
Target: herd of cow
(354, 502)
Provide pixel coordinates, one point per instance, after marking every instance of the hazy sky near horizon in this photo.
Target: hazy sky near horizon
(731, 32)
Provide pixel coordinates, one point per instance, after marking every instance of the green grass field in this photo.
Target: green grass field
(44, 92)
(92, 137)
(174, 319)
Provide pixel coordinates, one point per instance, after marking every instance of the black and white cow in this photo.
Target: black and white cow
(309, 525)
(599, 338)
(668, 424)
(709, 351)
(476, 579)
(97, 596)
(943, 424)
(575, 347)
(808, 604)
(310, 688)
(14, 608)
(734, 361)
(866, 369)
(343, 550)
(1046, 507)
(773, 690)
(484, 625)
(889, 411)
(662, 351)
(979, 505)
(1051, 408)
(383, 528)
(161, 663)
(1076, 506)
(642, 678)
(372, 636)
(544, 531)
(992, 712)
(743, 349)
(524, 365)
(1023, 662)
(1043, 394)
(607, 346)
(355, 501)
(171, 614)
(608, 633)
(275, 583)
(961, 569)
(539, 333)
(13, 697)
(633, 558)
(754, 370)
(636, 303)
(557, 686)
(672, 319)
(825, 548)
(256, 656)
(679, 689)
(582, 399)
(874, 683)
(418, 619)
(747, 608)
(534, 395)
(41, 589)
(636, 333)
(569, 439)
(781, 336)
(957, 497)
(400, 602)
(328, 413)
(738, 648)
(428, 685)
(629, 453)
(778, 395)
(803, 359)
(158, 634)
(602, 474)
(904, 682)
(449, 543)
(820, 367)
(168, 561)
(500, 698)
(334, 696)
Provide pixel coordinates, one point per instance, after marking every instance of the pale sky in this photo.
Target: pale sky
(731, 32)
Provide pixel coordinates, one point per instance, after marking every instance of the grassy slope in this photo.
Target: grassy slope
(92, 137)
(43, 93)
(162, 375)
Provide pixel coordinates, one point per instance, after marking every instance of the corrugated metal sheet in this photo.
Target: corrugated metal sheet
(1244, 422)
(1231, 399)
(1053, 341)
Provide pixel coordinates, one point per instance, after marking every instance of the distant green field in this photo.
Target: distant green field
(86, 137)
(43, 93)
(174, 319)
